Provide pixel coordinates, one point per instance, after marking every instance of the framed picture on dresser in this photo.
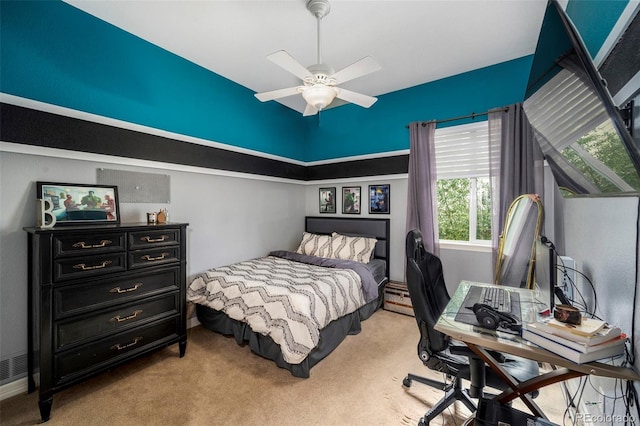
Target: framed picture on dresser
(76, 203)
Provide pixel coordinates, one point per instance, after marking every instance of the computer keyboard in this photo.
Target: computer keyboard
(498, 298)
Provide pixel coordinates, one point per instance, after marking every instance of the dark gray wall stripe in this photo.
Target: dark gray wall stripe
(369, 167)
(32, 127)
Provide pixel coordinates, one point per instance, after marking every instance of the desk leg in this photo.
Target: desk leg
(550, 378)
(507, 378)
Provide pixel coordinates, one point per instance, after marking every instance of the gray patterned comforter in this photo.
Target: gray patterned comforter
(284, 299)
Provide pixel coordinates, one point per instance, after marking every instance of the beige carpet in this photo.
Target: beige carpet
(221, 383)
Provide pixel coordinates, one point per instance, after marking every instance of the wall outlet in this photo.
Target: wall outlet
(567, 275)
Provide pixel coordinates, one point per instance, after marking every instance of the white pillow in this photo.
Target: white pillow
(345, 247)
(315, 245)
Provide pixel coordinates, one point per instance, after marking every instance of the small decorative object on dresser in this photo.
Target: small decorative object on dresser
(101, 295)
(161, 216)
(151, 218)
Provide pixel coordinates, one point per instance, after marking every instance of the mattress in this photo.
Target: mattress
(276, 334)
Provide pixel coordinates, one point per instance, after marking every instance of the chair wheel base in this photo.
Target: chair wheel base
(406, 382)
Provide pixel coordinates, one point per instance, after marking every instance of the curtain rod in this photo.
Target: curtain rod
(473, 115)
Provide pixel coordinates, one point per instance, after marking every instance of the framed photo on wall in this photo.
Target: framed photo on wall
(328, 200)
(351, 200)
(73, 203)
(379, 199)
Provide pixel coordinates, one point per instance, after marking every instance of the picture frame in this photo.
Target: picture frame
(76, 203)
(380, 199)
(327, 200)
(351, 200)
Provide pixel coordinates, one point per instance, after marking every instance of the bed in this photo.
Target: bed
(296, 307)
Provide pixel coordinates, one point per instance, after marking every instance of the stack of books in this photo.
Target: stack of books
(591, 340)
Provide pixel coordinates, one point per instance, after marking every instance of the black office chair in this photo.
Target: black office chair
(429, 297)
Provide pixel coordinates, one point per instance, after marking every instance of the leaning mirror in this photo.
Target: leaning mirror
(516, 248)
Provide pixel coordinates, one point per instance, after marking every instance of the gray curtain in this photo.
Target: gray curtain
(421, 194)
(517, 163)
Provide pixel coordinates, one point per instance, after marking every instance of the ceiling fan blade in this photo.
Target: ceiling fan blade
(310, 110)
(364, 101)
(364, 66)
(289, 63)
(277, 94)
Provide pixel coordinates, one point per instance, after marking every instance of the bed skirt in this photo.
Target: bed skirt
(330, 336)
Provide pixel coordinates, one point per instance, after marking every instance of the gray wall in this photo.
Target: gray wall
(458, 263)
(601, 236)
(231, 219)
(238, 217)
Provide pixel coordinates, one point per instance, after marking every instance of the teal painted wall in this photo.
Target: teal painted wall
(57, 54)
(350, 130)
(594, 20)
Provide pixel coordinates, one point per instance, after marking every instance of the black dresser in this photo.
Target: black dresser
(100, 296)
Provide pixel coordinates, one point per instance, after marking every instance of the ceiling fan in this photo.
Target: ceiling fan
(319, 81)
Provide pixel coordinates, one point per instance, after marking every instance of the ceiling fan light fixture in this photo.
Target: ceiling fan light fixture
(319, 96)
(320, 81)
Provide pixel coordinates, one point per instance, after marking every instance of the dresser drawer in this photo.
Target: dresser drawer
(158, 256)
(76, 362)
(153, 238)
(88, 244)
(74, 299)
(79, 267)
(81, 329)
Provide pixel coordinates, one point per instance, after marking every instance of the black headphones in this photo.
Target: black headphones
(492, 319)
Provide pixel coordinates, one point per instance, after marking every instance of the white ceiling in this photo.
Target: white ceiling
(414, 41)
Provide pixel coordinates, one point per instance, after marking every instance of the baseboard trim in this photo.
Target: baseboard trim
(17, 387)
(21, 386)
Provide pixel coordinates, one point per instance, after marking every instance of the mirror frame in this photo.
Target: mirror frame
(508, 223)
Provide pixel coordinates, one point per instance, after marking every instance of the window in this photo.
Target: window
(463, 186)
(589, 155)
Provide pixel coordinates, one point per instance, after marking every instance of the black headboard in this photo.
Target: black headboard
(377, 228)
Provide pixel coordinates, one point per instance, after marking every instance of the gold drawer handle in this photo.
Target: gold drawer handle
(157, 240)
(89, 268)
(118, 290)
(149, 258)
(119, 347)
(117, 318)
(82, 244)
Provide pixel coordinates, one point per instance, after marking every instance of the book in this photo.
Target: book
(571, 354)
(614, 339)
(606, 333)
(588, 326)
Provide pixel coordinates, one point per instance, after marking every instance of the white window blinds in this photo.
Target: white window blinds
(462, 151)
(561, 125)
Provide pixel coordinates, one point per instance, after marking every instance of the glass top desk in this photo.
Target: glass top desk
(480, 340)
